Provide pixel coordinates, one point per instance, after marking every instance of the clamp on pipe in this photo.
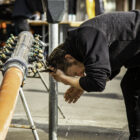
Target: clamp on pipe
(18, 63)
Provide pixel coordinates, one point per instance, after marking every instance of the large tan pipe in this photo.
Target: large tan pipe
(8, 97)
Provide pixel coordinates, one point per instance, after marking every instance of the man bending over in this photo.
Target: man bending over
(95, 52)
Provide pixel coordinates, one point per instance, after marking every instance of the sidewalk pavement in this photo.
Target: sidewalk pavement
(96, 116)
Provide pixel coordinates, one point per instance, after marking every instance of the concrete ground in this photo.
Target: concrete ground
(96, 116)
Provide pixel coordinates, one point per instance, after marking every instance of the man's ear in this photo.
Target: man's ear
(69, 58)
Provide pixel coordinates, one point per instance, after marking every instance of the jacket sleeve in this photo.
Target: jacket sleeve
(94, 47)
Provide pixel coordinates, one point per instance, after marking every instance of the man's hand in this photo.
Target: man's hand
(73, 94)
(59, 76)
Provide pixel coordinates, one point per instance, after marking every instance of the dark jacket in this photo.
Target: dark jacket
(104, 44)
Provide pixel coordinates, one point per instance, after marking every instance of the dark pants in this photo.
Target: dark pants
(131, 91)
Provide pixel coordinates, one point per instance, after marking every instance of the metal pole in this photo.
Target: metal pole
(53, 111)
(23, 99)
(133, 4)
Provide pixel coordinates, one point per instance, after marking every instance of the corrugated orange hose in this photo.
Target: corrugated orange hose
(8, 96)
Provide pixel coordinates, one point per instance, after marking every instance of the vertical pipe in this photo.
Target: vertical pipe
(133, 4)
(53, 112)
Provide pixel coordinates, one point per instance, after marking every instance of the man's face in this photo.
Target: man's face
(76, 70)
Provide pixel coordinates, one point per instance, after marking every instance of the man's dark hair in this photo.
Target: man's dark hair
(57, 59)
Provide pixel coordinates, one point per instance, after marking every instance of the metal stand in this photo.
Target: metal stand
(53, 99)
(28, 113)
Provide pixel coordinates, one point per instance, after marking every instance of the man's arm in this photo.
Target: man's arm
(73, 81)
(68, 80)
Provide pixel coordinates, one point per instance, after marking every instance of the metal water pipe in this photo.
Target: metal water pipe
(53, 99)
(15, 70)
